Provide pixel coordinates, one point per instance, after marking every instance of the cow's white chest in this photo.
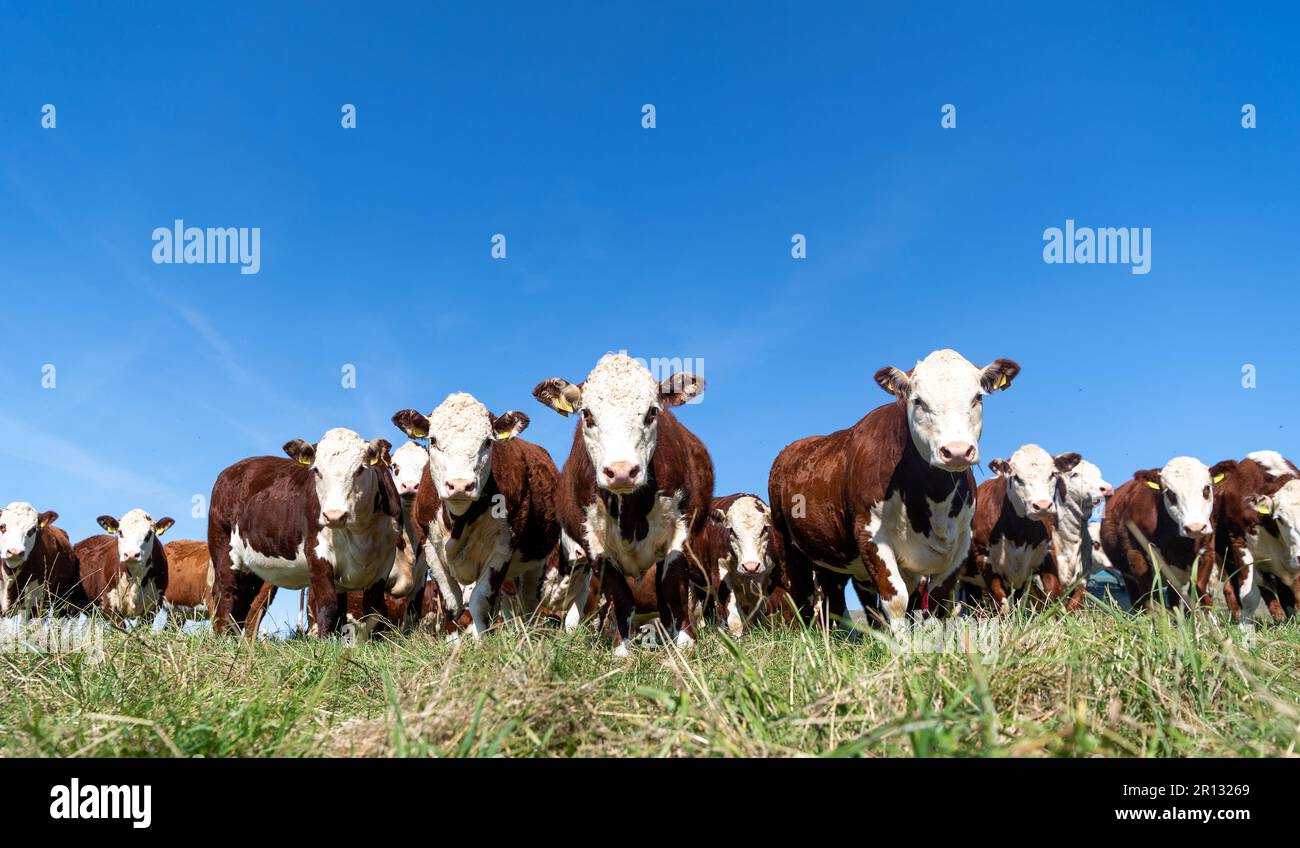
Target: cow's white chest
(361, 557)
(131, 596)
(285, 573)
(937, 553)
(482, 543)
(1014, 563)
(634, 557)
(1270, 554)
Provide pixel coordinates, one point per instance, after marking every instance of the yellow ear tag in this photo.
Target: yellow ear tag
(1263, 509)
(505, 435)
(374, 461)
(1002, 382)
(1151, 485)
(1218, 478)
(563, 405)
(418, 434)
(302, 461)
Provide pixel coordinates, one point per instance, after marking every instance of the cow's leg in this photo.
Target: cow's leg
(802, 576)
(579, 591)
(622, 605)
(484, 597)
(830, 603)
(730, 606)
(529, 583)
(998, 594)
(1203, 570)
(223, 585)
(1051, 585)
(1139, 577)
(672, 588)
(322, 595)
(1075, 602)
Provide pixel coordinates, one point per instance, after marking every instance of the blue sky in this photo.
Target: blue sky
(525, 120)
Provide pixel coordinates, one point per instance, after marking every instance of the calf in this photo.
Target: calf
(38, 569)
(888, 501)
(736, 549)
(125, 571)
(636, 486)
(328, 518)
(189, 581)
(1257, 533)
(485, 507)
(1078, 492)
(1163, 519)
(408, 464)
(1011, 535)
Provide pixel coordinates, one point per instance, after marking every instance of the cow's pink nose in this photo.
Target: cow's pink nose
(461, 488)
(619, 475)
(335, 517)
(1196, 529)
(1107, 490)
(407, 488)
(1041, 506)
(750, 567)
(13, 552)
(958, 452)
(130, 556)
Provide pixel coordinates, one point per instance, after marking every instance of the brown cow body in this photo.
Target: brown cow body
(1251, 537)
(122, 590)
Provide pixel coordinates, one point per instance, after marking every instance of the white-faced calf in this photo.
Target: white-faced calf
(38, 570)
(125, 571)
(736, 549)
(1257, 534)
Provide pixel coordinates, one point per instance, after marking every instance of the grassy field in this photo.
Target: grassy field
(1098, 683)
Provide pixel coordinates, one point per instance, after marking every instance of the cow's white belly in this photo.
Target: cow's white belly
(1016, 564)
(483, 542)
(1271, 555)
(938, 553)
(285, 573)
(667, 533)
(131, 596)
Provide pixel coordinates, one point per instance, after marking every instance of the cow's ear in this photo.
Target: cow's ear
(717, 518)
(379, 451)
(1066, 461)
(1151, 477)
(109, 523)
(1000, 466)
(162, 525)
(411, 423)
(894, 381)
(1262, 504)
(48, 517)
(1220, 470)
(682, 387)
(300, 451)
(559, 394)
(997, 375)
(507, 425)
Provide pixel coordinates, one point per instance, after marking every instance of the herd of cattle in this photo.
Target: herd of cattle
(468, 522)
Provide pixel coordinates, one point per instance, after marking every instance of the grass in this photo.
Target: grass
(1096, 683)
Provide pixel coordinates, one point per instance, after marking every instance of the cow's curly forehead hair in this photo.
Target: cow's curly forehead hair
(748, 514)
(19, 512)
(461, 415)
(1184, 470)
(619, 380)
(340, 445)
(944, 368)
(1032, 460)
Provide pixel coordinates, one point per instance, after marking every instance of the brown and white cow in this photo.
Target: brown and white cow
(1257, 533)
(408, 463)
(328, 518)
(125, 571)
(888, 501)
(636, 486)
(485, 507)
(1079, 492)
(736, 548)
(38, 570)
(1012, 531)
(1163, 520)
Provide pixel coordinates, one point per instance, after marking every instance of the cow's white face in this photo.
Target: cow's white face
(620, 403)
(1031, 481)
(345, 470)
(748, 522)
(461, 434)
(1099, 558)
(135, 533)
(19, 525)
(1284, 506)
(944, 395)
(1084, 486)
(1187, 493)
(408, 467)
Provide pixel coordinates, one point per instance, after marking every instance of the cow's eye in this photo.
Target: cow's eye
(2, 528)
(31, 532)
(1017, 479)
(587, 418)
(920, 405)
(433, 443)
(1170, 496)
(315, 471)
(650, 415)
(396, 470)
(486, 444)
(976, 401)
(1206, 494)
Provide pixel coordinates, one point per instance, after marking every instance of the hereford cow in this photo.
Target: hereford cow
(636, 486)
(1012, 534)
(888, 501)
(125, 571)
(736, 548)
(485, 507)
(38, 570)
(1163, 519)
(1079, 491)
(1257, 533)
(189, 581)
(408, 465)
(328, 518)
